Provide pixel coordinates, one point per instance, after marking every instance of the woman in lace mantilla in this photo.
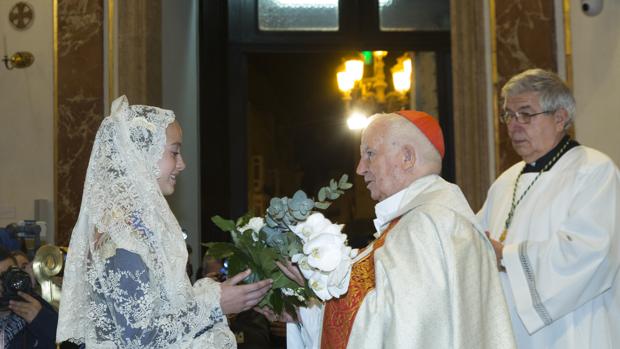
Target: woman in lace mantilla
(125, 284)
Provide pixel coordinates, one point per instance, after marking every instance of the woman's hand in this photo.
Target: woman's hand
(292, 272)
(272, 316)
(237, 298)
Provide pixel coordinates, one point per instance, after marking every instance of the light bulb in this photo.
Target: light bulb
(355, 67)
(402, 81)
(407, 66)
(345, 81)
(357, 121)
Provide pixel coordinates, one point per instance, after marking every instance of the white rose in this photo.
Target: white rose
(255, 224)
(325, 251)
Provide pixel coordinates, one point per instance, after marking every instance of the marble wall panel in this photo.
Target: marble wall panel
(79, 101)
(139, 51)
(524, 38)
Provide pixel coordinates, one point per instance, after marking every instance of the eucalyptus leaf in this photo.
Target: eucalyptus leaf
(270, 222)
(333, 185)
(322, 205)
(343, 180)
(289, 220)
(299, 216)
(346, 186)
(333, 195)
(298, 198)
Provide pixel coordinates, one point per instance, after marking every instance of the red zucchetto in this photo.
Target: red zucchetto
(429, 127)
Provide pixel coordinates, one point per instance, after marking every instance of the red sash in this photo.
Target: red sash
(340, 312)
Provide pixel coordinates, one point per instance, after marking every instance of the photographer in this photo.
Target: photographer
(29, 322)
(25, 264)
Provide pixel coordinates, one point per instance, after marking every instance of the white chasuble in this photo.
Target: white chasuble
(561, 251)
(436, 284)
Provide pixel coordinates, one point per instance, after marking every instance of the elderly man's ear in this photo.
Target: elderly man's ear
(561, 117)
(408, 153)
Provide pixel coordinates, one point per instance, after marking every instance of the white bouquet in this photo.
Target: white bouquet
(293, 230)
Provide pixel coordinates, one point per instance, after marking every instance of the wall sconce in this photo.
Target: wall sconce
(369, 93)
(20, 59)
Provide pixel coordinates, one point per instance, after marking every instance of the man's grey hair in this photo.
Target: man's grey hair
(401, 131)
(553, 92)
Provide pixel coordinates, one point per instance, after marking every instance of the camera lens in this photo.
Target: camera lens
(13, 281)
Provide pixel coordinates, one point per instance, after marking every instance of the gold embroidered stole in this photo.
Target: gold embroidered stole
(340, 312)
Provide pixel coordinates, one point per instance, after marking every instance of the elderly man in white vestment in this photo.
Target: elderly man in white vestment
(555, 223)
(429, 280)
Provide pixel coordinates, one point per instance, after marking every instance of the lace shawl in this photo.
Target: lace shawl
(125, 284)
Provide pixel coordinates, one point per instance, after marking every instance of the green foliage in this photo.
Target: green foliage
(224, 224)
(243, 220)
(332, 192)
(275, 241)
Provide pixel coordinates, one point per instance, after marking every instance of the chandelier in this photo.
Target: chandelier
(365, 93)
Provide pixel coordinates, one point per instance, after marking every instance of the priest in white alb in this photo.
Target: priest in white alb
(554, 221)
(429, 279)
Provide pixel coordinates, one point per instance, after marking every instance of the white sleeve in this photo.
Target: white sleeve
(307, 333)
(579, 262)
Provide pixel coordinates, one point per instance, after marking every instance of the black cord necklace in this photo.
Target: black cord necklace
(513, 204)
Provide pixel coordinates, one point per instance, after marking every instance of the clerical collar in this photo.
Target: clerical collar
(385, 209)
(540, 163)
(392, 206)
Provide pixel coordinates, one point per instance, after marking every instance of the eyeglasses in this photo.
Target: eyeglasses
(520, 116)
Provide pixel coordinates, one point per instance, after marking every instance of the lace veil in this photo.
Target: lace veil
(110, 300)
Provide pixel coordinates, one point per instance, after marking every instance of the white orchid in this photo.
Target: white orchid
(338, 280)
(305, 268)
(316, 224)
(255, 224)
(326, 259)
(325, 251)
(331, 285)
(318, 283)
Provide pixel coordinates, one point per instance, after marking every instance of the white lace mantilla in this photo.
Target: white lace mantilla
(125, 284)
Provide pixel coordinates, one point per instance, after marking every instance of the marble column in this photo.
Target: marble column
(79, 103)
(139, 51)
(469, 86)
